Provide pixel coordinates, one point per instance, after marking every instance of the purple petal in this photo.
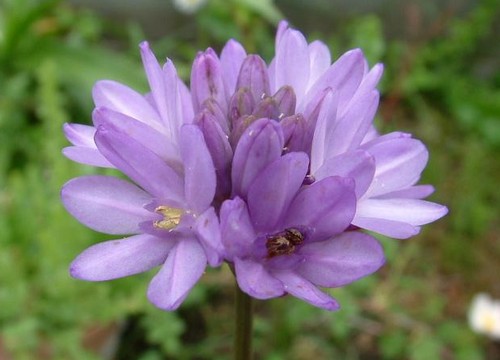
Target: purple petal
(320, 60)
(220, 150)
(397, 218)
(208, 230)
(140, 132)
(326, 207)
(412, 192)
(121, 98)
(393, 229)
(341, 260)
(358, 165)
(207, 80)
(106, 204)
(344, 77)
(322, 116)
(286, 101)
(291, 62)
(199, 172)
(231, 58)
(80, 135)
(260, 144)
(140, 164)
(255, 280)
(119, 258)
(368, 84)
(272, 191)
(156, 79)
(237, 231)
(253, 75)
(184, 266)
(399, 163)
(352, 127)
(301, 288)
(294, 132)
(177, 110)
(412, 211)
(87, 156)
(240, 104)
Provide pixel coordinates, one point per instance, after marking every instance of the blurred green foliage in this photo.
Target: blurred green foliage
(415, 308)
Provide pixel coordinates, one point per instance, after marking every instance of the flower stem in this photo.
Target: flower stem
(243, 333)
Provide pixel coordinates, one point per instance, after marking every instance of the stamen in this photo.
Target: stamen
(284, 242)
(171, 217)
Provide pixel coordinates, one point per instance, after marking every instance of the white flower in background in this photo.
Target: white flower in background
(484, 316)
(188, 6)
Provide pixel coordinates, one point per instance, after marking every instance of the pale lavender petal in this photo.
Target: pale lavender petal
(237, 231)
(140, 164)
(341, 260)
(412, 192)
(292, 62)
(399, 163)
(119, 258)
(231, 58)
(199, 172)
(370, 135)
(156, 80)
(184, 266)
(174, 104)
(80, 135)
(140, 132)
(320, 60)
(301, 288)
(272, 191)
(358, 165)
(326, 207)
(322, 122)
(368, 84)
(106, 204)
(208, 230)
(121, 98)
(394, 229)
(413, 211)
(352, 127)
(254, 279)
(260, 144)
(186, 103)
(87, 156)
(344, 76)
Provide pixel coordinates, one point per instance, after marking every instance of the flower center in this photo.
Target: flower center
(284, 242)
(171, 217)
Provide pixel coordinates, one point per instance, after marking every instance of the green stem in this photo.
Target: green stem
(243, 333)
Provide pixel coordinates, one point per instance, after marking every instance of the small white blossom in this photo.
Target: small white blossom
(484, 316)
(188, 6)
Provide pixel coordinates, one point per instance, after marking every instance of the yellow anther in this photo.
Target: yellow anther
(171, 217)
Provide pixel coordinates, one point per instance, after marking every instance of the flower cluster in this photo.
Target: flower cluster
(273, 168)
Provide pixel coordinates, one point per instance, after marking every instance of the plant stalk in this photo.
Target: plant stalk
(243, 331)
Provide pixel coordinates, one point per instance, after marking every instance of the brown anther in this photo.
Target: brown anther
(284, 242)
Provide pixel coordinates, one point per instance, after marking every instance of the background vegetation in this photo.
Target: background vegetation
(441, 83)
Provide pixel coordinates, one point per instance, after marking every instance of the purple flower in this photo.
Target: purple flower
(283, 237)
(274, 168)
(169, 215)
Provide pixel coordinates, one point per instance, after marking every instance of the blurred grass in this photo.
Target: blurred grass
(415, 308)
